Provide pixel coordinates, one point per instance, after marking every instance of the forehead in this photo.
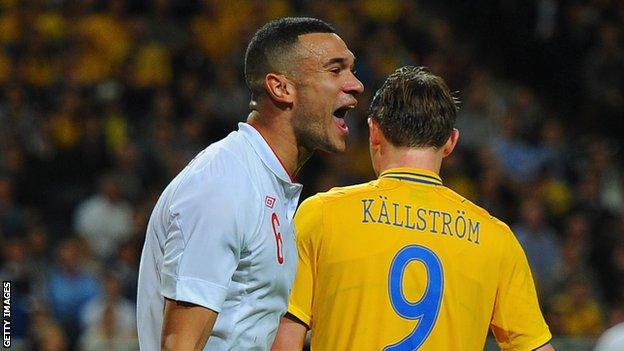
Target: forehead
(320, 48)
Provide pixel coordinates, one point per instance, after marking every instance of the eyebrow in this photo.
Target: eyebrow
(341, 60)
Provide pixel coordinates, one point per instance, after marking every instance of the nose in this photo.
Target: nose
(353, 85)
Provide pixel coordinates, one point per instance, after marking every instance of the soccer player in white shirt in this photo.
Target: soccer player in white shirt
(219, 255)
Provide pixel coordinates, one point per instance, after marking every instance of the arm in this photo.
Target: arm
(291, 334)
(201, 233)
(517, 322)
(186, 326)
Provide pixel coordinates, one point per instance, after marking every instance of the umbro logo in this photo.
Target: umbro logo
(269, 201)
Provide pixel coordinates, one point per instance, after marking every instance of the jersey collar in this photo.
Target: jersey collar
(412, 175)
(263, 149)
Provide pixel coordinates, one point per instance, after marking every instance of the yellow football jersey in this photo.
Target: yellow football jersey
(404, 263)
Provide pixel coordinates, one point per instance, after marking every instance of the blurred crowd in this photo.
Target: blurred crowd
(103, 102)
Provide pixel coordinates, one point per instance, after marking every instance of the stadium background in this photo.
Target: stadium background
(103, 102)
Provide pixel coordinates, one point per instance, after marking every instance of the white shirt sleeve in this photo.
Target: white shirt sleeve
(612, 339)
(208, 218)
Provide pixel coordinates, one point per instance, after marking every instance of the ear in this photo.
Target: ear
(374, 134)
(448, 148)
(374, 144)
(279, 88)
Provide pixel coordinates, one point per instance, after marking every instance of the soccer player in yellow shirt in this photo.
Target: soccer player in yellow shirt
(403, 262)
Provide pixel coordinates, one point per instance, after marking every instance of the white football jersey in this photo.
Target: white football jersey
(221, 236)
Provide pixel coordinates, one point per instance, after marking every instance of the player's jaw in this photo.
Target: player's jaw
(323, 128)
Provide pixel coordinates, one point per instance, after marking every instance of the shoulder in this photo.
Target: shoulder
(475, 210)
(217, 176)
(314, 211)
(317, 203)
(343, 193)
(229, 157)
(222, 166)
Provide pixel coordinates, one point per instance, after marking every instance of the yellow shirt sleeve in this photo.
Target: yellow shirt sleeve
(517, 321)
(308, 223)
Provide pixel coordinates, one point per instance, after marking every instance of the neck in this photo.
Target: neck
(428, 159)
(279, 134)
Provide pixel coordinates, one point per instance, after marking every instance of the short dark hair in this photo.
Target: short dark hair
(414, 108)
(271, 42)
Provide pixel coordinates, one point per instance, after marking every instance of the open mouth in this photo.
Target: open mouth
(339, 118)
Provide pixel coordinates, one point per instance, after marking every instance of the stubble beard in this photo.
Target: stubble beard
(312, 133)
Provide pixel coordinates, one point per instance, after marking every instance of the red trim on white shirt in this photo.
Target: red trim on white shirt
(290, 176)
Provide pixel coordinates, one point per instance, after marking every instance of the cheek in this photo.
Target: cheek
(310, 109)
(326, 89)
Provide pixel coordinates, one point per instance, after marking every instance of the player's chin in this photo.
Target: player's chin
(340, 148)
(335, 144)
(339, 144)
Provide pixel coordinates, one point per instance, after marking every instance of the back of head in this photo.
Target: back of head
(414, 108)
(272, 47)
